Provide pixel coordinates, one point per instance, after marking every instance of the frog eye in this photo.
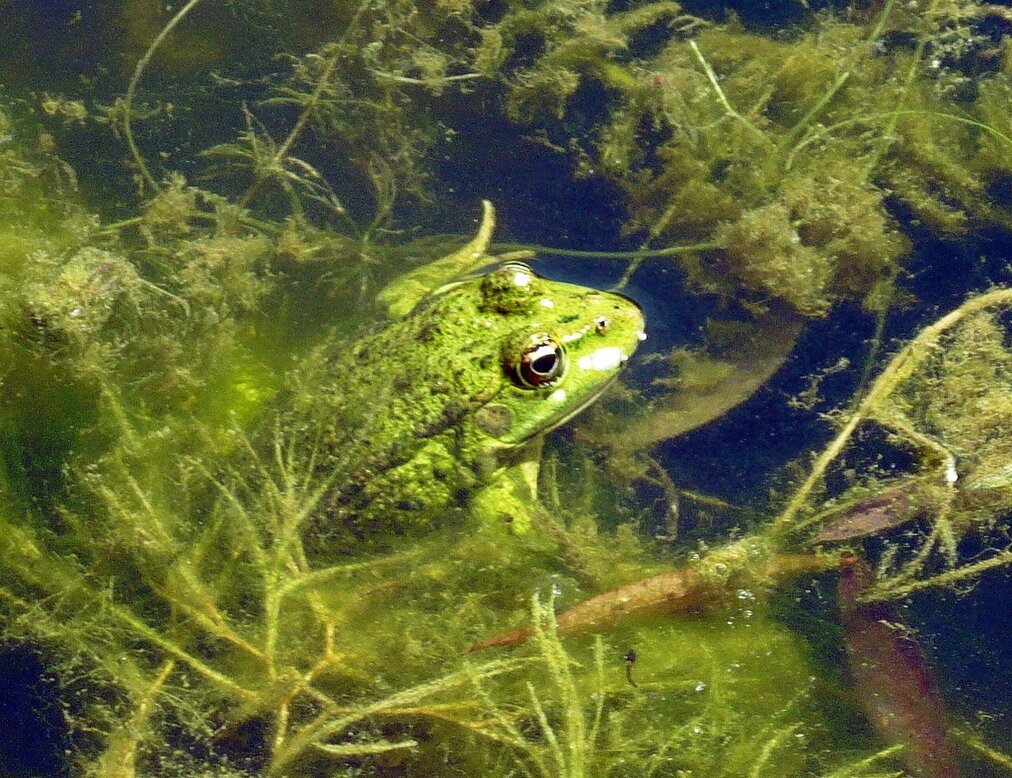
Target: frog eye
(511, 288)
(515, 266)
(540, 361)
(518, 274)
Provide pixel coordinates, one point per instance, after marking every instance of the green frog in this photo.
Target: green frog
(440, 413)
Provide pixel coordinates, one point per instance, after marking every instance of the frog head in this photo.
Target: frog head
(561, 345)
(549, 348)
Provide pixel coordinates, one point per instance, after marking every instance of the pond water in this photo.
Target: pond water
(334, 442)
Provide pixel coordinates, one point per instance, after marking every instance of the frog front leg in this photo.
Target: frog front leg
(510, 497)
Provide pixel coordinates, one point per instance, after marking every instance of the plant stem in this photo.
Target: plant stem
(896, 372)
(310, 105)
(132, 89)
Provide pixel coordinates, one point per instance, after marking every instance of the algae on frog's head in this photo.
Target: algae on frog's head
(572, 346)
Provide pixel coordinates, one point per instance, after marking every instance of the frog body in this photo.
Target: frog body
(440, 413)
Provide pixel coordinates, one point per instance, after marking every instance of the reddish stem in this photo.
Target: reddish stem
(676, 591)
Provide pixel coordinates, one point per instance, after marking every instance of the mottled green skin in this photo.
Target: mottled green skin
(418, 417)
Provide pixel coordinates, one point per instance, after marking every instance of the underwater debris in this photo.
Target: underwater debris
(699, 386)
(888, 506)
(745, 565)
(892, 679)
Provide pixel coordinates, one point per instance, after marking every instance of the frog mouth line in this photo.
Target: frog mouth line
(587, 402)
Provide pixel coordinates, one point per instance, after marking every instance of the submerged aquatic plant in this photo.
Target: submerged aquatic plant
(791, 170)
(155, 526)
(967, 352)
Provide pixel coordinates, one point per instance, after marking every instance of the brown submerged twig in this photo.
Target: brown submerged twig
(678, 591)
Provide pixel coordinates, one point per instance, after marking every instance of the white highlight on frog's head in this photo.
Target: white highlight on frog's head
(605, 358)
(522, 278)
(576, 335)
(546, 303)
(558, 396)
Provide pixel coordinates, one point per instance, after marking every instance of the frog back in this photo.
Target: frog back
(385, 420)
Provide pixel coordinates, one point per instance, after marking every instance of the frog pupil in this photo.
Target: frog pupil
(544, 364)
(541, 364)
